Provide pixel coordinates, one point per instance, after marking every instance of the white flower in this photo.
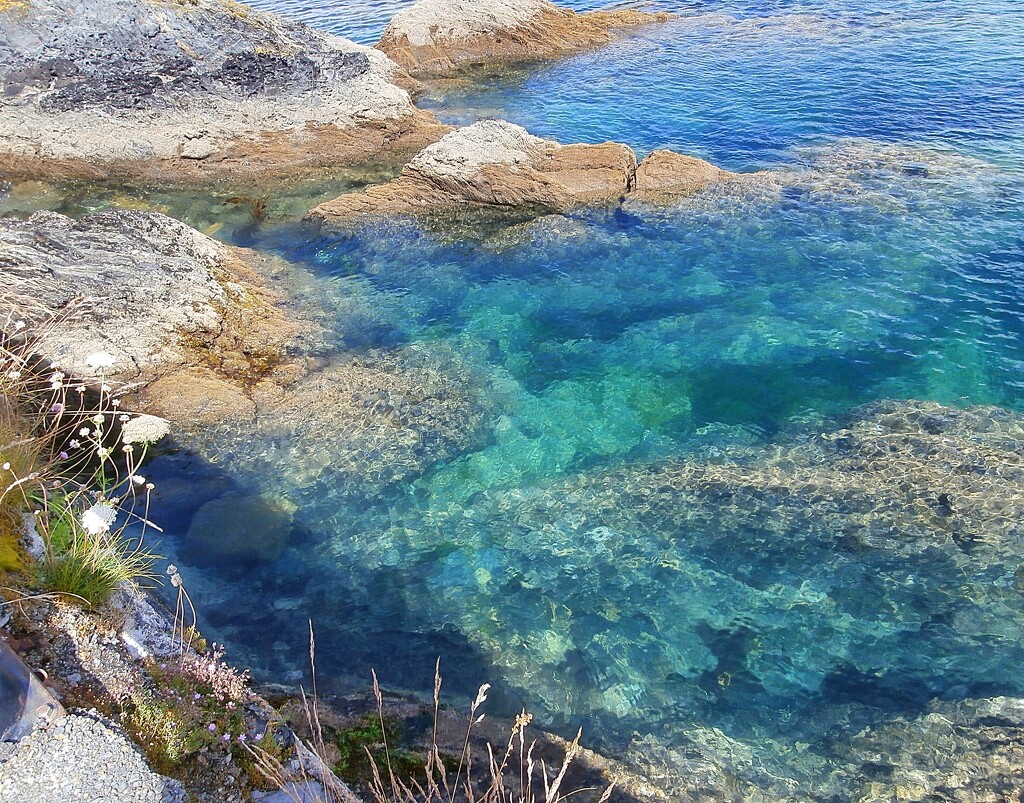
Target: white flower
(98, 418)
(84, 432)
(98, 518)
(19, 325)
(7, 466)
(145, 429)
(100, 359)
(14, 374)
(138, 479)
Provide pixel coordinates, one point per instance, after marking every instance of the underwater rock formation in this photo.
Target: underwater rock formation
(191, 90)
(357, 426)
(236, 529)
(168, 303)
(197, 333)
(783, 616)
(968, 750)
(493, 163)
(439, 37)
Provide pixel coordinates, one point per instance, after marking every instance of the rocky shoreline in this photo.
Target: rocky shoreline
(200, 93)
(191, 91)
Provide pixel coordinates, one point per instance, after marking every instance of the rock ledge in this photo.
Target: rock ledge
(440, 37)
(494, 163)
(189, 91)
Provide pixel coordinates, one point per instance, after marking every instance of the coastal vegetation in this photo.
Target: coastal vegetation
(71, 462)
(75, 513)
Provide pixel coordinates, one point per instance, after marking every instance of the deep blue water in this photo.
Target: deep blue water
(554, 552)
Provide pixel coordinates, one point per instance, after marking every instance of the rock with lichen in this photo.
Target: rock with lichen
(191, 90)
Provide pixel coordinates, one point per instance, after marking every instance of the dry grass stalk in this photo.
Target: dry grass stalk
(531, 774)
(70, 457)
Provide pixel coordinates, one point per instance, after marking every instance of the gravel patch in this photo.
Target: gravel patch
(81, 760)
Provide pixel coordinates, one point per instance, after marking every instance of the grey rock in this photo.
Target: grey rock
(128, 82)
(140, 286)
(147, 628)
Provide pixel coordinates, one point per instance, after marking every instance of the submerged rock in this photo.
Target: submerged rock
(439, 37)
(190, 90)
(358, 426)
(238, 529)
(493, 163)
(666, 174)
(796, 621)
(169, 304)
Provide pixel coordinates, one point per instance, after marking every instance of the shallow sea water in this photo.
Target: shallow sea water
(643, 515)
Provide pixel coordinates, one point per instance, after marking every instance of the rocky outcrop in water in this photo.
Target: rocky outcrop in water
(195, 330)
(190, 90)
(170, 305)
(354, 427)
(496, 164)
(439, 37)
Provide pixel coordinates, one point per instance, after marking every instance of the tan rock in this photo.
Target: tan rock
(195, 398)
(189, 316)
(666, 173)
(309, 150)
(495, 163)
(440, 37)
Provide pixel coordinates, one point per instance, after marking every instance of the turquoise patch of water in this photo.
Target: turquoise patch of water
(779, 594)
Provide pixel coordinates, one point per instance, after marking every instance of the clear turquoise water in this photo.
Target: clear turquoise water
(885, 260)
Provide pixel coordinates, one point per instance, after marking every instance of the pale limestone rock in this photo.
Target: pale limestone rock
(439, 37)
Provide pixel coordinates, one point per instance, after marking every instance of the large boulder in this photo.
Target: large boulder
(238, 529)
(666, 174)
(190, 90)
(439, 37)
(168, 303)
(493, 163)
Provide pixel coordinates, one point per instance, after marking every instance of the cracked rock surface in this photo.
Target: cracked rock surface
(158, 296)
(190, 90)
